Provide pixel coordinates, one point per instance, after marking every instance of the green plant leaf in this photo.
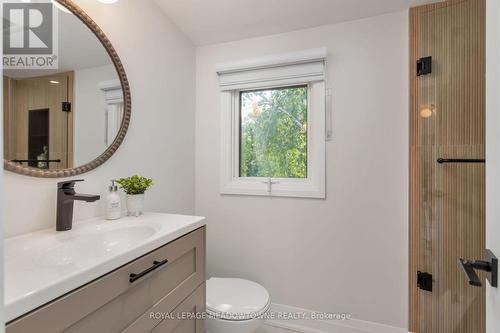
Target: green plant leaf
(135, 184)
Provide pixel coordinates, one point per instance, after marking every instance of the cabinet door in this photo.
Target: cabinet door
(184, 318)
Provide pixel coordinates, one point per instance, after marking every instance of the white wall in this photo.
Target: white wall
(348, 253)
(159, 62)
(492, 155)
(89, 113)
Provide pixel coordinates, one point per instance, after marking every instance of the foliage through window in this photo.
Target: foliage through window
(273, 132)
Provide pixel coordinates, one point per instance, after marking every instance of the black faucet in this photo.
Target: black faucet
(66, 196)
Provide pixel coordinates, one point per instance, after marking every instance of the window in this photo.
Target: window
(273, 133)
(273, 127)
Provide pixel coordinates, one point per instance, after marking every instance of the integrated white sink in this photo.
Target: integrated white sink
(46, 264)
(86, 246)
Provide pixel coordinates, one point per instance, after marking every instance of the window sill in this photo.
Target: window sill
(303, 188)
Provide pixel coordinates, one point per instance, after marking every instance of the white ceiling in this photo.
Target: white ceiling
(215, 21)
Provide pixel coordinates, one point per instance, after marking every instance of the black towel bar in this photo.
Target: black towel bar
(36, 161)
(461, 160)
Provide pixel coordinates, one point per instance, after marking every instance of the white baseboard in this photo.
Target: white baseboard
(326, 326)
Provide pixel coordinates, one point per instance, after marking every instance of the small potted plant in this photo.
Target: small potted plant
(134, 187)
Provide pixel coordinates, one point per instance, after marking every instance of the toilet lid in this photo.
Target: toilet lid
(236, 299)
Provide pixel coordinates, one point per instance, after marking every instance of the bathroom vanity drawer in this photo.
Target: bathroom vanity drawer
(182, 319)
(112, 302)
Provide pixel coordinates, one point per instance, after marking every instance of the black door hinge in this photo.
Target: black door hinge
(424, 281)
(424, 66)
(66, 106)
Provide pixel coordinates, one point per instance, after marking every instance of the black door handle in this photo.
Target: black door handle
(156, 264)
(468, 267)
(490, 265)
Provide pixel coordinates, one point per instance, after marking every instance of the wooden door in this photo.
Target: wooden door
(447, 201)
(29, 96)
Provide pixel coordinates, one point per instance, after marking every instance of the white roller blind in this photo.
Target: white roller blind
(280, 69)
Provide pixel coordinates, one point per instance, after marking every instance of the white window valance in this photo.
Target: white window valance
(112, 91)
(274, 70)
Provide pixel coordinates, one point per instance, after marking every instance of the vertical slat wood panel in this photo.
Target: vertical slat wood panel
(37, 93)
(70, 120)
(447, 201)
(6, 116)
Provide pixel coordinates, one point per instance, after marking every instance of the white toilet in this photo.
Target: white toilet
(235, 305)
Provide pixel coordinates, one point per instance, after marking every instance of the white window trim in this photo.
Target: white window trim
(253, 77)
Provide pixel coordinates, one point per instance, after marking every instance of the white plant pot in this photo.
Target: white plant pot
(135, 204)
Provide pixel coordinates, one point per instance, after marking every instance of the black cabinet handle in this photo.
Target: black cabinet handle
(156, 264)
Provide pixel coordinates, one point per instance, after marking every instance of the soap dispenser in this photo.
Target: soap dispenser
(113, 203)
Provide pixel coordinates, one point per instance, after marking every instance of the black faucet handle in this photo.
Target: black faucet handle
(68, 184)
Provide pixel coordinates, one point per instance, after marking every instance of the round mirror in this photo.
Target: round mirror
(66, 95)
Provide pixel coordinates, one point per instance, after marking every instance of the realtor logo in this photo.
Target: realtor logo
(29, 35)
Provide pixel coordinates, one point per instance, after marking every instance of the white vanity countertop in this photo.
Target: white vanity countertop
(46, 264)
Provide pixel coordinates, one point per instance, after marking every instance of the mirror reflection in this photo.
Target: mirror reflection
(51, 117)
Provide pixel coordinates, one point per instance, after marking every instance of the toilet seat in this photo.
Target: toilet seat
(236, 299)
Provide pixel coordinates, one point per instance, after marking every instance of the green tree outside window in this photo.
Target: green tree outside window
(273, 135)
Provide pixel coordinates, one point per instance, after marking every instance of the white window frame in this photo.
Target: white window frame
(113, 97)
(267, 73)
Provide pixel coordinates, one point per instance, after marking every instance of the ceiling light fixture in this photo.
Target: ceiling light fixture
(54, 82)
(108, 2)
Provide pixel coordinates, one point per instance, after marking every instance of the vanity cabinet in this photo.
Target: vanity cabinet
(162, 291)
